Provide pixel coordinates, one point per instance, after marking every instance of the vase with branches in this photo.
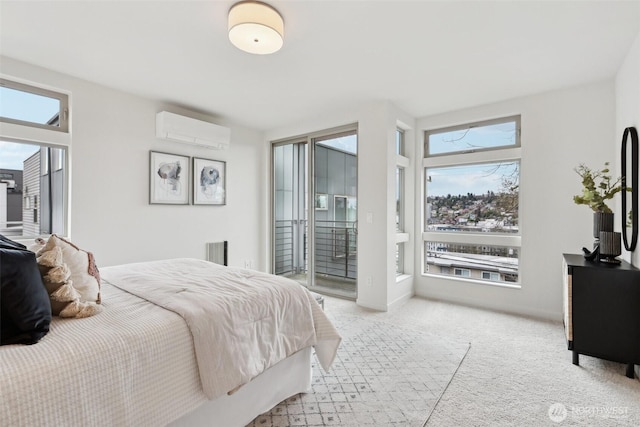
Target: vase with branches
(598, 187)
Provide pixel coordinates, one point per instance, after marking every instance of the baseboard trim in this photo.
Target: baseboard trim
(398, 302)
(372, 306)
(511, 309)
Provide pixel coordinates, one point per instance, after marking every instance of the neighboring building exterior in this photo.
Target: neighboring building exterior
(31, 195)
(10, 201)
(336, 235)
(473, 266)
(3, 207)
(42, 212)
(335, 213)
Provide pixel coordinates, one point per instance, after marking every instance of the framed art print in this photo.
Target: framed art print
(209, 182)
(168, 178)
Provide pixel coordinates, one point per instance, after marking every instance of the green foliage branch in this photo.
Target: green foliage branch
(597, 187)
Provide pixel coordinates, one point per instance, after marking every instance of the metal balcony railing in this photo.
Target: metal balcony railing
(335, 242)
(11, 228)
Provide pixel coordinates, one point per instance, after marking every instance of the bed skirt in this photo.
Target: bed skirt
(285, 379)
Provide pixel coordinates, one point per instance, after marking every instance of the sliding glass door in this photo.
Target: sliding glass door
(316, 246)
(290, 210)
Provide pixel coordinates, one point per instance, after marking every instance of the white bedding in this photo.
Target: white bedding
(133, 364)
(242, 321)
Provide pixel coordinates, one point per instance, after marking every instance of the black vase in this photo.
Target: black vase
(602, 221)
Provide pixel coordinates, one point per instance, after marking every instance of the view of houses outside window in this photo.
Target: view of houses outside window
(31, 193)
(32, 176)
(471, 216)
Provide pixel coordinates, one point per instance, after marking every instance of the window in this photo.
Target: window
(472, 193)
(490, 275)
(33, 106)
(399, 199)
(399, 259)
(37, 202)
(58, 162)
(400, 142)
(44, 164)
(401, 164)
(473, 198)
(463, 272)
(473, 137)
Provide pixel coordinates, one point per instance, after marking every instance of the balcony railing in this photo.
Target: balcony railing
(11, 228)
(336, 245)
(284, 231)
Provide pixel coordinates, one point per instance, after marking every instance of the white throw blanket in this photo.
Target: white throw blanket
(242, 321)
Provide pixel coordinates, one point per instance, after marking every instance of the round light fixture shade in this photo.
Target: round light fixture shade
(256, 27)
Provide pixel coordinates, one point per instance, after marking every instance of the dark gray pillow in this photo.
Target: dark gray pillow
(25, 310)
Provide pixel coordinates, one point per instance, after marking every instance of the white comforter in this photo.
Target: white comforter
(131, 365)
(242, 321)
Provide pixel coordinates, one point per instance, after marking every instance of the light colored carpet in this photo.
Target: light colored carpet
(384, 374)
(515, 370)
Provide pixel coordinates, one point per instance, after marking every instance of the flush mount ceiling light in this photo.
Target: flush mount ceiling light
(256, 27)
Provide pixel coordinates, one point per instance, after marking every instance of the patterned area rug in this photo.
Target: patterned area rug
(384, 374)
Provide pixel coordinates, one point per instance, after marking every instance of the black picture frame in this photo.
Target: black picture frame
(209, 182)
(169, 176)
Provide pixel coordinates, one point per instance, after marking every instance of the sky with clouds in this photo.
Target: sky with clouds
(20, 105)
(12, 155)
(475, 179)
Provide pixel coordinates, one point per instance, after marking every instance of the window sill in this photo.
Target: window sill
(403, 277)
(475, 281)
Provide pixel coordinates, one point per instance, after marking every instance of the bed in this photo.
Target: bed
(148, 357)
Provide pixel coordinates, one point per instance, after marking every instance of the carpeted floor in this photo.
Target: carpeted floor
(517, 371)
(383, 375)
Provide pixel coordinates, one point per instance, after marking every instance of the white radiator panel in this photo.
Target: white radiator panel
(217, 252)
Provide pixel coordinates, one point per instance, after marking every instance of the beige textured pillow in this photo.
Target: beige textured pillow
(84, 273)
(64, 298)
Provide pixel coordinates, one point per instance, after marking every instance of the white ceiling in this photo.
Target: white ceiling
(426, 57)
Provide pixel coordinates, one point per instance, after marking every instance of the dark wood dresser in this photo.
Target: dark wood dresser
(602, 310)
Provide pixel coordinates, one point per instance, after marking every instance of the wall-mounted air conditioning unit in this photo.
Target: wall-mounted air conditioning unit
(174, 127)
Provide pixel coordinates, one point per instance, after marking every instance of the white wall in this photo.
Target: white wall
(112, 134)
(628, 114)
(560, 130)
